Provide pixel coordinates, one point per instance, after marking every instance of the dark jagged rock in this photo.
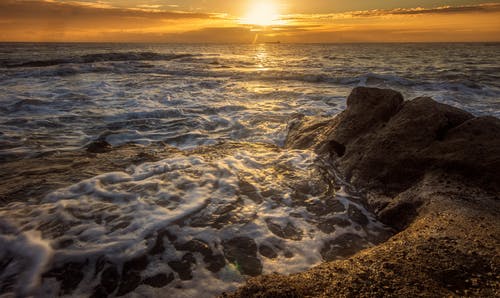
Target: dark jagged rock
(328, 225)
(427, 169)
(69, 274)
(388, 145)
(131, 274)
(356, 215)
(250, 191)
(37, 176)
(158, 245)
(183, 266)
(343, 246)
(110, 279)
(99, 146)
(159, 280)
(242, 252)
(287, 232)
(227, 213)
(267, 251)
(214, 262)
(325, 207)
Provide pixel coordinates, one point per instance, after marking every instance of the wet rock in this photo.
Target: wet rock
(390, 145)
(8, 282)
(64, 243)
(357, 215)
(69, 275)
(119, 226)
(214, 262)
(250, 191)
(131, 274)
(100, 263)
(343, 246)
(110, 279)
(224, 215)
(130, 281)
(159, 280)
(53, 228)
(288, 232)
(242, 251)
(99, 292)
(159, 246)
(183, 266)
(137, 264)
(295, 214)
(99, 146)
(270, 193)
(334, 206)
(328, 225)
(428, 170)
(325, 207)
(195, 245)
(267, 251)
(36, 176)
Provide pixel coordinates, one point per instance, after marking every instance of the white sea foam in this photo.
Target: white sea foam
(105, 90)
(27, 256)
(250, 193)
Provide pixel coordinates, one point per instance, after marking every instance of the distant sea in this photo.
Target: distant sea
(59, 97)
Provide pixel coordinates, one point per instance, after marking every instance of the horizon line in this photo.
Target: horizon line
(247, 43)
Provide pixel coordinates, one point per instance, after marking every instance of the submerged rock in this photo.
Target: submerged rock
(159, 280)
(356, 215)
(328, 225)
(289, 231)
(267, 251)
(242, 252)
(131, 274)
(343, 246)
(214, 262)
(69, 275)
(99, 146)
(183, 266)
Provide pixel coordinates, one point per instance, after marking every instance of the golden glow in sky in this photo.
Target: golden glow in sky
(236, 21)
(262, 13)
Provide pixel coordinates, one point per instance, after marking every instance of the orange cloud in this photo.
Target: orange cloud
(37, 20)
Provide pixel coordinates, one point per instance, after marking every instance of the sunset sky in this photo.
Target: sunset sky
(248, 21)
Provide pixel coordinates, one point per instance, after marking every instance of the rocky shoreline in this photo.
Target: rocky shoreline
(427, 170)
(430, 171)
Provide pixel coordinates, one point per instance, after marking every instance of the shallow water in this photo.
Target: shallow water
(235, 204)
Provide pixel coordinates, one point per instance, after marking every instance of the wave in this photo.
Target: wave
(94, 58)
(183, 219)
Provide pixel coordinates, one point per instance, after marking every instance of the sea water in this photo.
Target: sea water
(199, 222)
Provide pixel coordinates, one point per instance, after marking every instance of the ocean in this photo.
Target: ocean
(229, 202)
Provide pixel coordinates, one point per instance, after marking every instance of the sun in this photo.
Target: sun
(262, 13)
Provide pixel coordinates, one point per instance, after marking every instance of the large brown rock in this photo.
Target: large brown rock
(427, 169)
(385, 145)
(382, 142)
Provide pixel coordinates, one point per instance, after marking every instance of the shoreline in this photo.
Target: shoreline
(447, 188)
(431, 172)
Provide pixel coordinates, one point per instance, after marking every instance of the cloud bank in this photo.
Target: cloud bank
(51, 20)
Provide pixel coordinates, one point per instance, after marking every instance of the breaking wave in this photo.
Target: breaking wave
(94, 58)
